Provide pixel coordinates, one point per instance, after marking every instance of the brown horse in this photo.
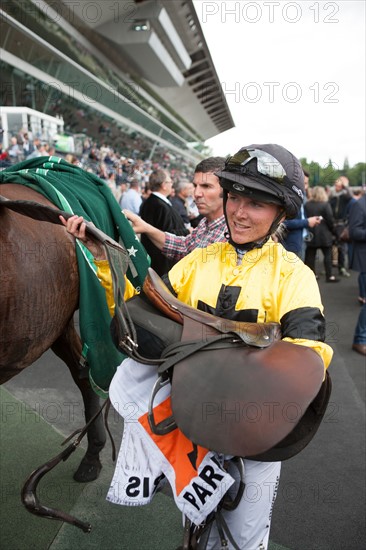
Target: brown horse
(39, 295)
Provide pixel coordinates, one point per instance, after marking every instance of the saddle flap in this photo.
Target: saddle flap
(243, 400)
(253, 334)
(154, 331)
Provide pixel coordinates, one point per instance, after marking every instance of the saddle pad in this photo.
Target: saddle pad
(242, 401)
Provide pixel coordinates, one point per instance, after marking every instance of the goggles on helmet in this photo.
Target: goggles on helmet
(267, 165)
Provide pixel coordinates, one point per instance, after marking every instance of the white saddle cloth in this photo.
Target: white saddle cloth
(195, 474)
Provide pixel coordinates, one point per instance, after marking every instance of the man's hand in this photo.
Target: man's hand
(156, 236)
(138, 224)
(75, 225)
(314, 220)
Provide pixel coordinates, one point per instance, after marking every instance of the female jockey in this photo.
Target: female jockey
(249, 278)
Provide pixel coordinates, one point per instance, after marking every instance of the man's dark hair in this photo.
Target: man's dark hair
(157, 177)
(211, 164)
(306, 173)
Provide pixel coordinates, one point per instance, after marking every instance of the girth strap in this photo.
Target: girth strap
(196, 537)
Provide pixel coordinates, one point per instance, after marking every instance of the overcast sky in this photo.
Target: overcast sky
(293, 73)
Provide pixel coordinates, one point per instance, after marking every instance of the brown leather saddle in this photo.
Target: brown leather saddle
(236, 387)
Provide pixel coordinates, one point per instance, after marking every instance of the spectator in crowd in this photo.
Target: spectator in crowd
(357, 230)
(158, 211)
(93, 153)
(306, 184)
(72, 159)
(14, 151)
(355, 195)
(179, 201)
(339, 198)
(4, 157)
(40, 150)
(132, 199)
(137, 170)
(28, 146)
(296, 232)
(123, 188)
(212, 228)
(51, 151)
(103, 171)
(320, 235)
(296, 229)
(111, 182)
(145, 192)
(122, 175)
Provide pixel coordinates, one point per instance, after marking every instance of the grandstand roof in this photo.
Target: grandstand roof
(160, 43)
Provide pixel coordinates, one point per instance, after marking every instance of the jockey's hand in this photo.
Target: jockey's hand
(75, 225)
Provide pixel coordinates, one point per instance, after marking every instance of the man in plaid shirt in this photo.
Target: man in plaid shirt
(208, 198)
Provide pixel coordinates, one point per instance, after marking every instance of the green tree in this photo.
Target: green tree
(326, 175)
(357, 174)
(345, 165)
(321, 175)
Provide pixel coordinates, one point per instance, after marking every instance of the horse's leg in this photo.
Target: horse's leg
(68, 348)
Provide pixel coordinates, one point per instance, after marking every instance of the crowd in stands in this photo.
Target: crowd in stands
(116, 169)
(21, 148)
(105, 161)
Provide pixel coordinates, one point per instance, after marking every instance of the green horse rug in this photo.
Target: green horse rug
(76, 191)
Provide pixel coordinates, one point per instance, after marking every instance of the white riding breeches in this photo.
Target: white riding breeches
(249, 524)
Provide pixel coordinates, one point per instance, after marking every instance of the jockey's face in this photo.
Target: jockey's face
(248, 219)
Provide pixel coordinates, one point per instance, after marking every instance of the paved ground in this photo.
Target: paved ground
(321, 499)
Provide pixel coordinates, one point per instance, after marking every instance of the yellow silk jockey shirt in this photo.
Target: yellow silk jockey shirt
(269, 284)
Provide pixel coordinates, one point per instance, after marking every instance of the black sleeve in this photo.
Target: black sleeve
(305, 322)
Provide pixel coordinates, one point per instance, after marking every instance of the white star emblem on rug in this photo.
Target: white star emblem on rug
(132, 251)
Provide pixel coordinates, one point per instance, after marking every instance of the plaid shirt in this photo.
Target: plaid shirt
(204, 234)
